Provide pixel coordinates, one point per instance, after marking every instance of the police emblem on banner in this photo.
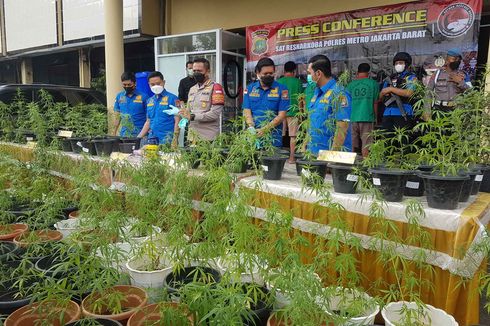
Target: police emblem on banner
(455, 20)
(259, 42)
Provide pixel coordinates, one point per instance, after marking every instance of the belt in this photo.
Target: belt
(444, 103)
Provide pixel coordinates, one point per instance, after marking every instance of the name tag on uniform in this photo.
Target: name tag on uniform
(275, 95)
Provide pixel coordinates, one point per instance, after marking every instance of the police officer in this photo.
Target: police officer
(162, 118)
(265, 102)
(205, 104)
(402, 84)
(130, 103)
(446, 83)
(328, 110)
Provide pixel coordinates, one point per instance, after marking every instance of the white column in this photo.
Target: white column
(114, 52)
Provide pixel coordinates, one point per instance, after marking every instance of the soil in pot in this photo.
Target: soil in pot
(273, 166)
(134, 140)
(42, 236)
(9, 231)
(164, 313)
(127, 148)
(95, 322)
(468, 185)
(76, 144)
(310, 169)
(88, 147)
(443, 191)
(344, 179)
(177, 279)
(390, 182)
(32, 315)
(104, 147)
(131, 299)
(8, 250)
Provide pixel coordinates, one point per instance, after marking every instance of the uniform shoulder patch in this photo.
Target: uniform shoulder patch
(217, 95)
(285, 94)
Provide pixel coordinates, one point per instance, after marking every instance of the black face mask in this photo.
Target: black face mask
(454, 65)
(267, 80)
(129, 89)
(199, 77)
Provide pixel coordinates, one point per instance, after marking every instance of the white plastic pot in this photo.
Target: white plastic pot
(392, 314)
(249, 273)
(342, 297)
(67, 227)
(148, 279)
(117, 254)
(129, 236)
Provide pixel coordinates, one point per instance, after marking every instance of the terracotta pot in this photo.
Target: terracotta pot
(151, 313)
(135, 299)
(10, 231)
(30, 315)
(44, 236)
(74, 214)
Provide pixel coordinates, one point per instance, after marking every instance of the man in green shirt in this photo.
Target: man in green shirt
(364, 92)
(295, 88)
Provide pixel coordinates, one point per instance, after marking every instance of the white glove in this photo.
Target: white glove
(173, 110)
(252, 130)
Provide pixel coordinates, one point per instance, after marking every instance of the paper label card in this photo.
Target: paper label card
(352, 177)
(376, 181)
(338, 157)
(65, 133)
(412, 185)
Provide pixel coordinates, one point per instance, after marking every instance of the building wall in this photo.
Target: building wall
(196, 15)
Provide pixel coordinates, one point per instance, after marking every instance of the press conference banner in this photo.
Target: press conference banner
(425, 29)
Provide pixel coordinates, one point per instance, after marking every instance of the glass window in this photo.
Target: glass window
(233, 42)
(187, 43)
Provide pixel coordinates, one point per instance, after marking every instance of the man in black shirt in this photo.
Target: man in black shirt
(186, 83)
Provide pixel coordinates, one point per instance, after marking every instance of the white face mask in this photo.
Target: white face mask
(156, 89)
(399, 68)
(190, 72)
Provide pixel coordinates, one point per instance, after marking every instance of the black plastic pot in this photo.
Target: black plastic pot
(479, 178)
(176, 280)
(127, 148)
(443, 191)
(98, 321)
(468, 185)
(192, 155)
(9, 298)
(8, 250)
(134, 140)
(104, 147)
(88, 147)
(344, 181)
(65, 144)
(414, 186)
(115, 144)
(314, 167)
(76, 144)
(485, 183)
(240, 167)
(273, 166)
(259, 311)
(390, 182)
(29, 135)
(49, 266)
